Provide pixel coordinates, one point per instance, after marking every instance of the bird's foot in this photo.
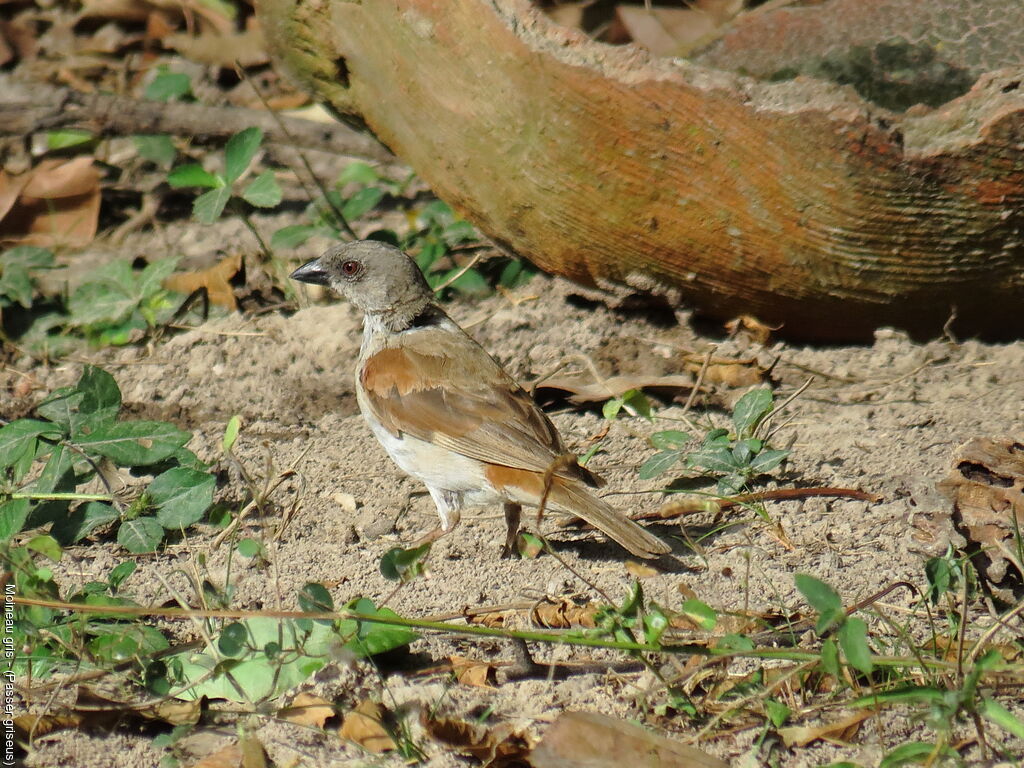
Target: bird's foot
(513, 513)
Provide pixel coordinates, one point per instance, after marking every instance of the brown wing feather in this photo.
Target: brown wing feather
(480, 412)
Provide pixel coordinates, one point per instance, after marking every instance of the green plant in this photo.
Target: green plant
(632, 401)
(46, 461)
(852, 631)
(735, 458)
(17, 281)
(256, 659)
(56, 641)
(224, 188)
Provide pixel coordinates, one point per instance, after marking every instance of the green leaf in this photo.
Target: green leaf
(119, 573)
(19, 437)
(143, 534)
(94, 303)
(168, 85)
(83, 521)
(853, 638)
(715, 458)
(16, 283)
(113, 648)
(250, 548)
(314, 598)
(239, 152)
(61, 407)
(912, 752)
(830, 658)
(700, 613)
(135, 443)
(28, 257)
(470, 283)
(257, 675)
(181, 496)
(101, 397)
(263, 192)
(669, 439)
(193, 175)
(655, 623)
(13, 515)
(361, 203)
(768, 460)
(67, 138)
(659, 463)
(233, 639)
(358, 172)
(528, 546)
(939, 573)
(777, 713)
(750, 410)
(820, 595)
(152, 277)
(367, 638)
(297, 234)
(458, 232)
(735, 642)
(45, 545)
(208, 207)
(611, 409)
(996, 713)
(156, 148)
(403, 564)
(231, 433)
(637, 404)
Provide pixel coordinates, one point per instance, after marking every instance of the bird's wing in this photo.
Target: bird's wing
(440, 385)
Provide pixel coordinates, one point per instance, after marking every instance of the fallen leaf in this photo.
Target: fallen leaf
(640, 570)
(472, 672)
(57, 203)
(139, 10)
(212, 48)
(497, 746)
(362, 726)
(598, 741)
(750, 326)
(215, 280)
(564, 613)
(986, 486)
(838, 731)
(226, 757)
(307, 709)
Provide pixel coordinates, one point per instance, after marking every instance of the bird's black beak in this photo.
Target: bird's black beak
(311, 272)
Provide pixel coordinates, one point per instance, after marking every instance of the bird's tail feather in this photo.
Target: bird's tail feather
(569, 496)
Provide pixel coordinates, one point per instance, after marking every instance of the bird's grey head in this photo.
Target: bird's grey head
(376, 277)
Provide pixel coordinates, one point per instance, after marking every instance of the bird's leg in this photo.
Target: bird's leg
(513, 512)
(449, 507)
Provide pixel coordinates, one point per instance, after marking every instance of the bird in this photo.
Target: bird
(447, 413)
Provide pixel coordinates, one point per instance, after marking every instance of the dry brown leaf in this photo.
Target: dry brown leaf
(229, 756)
(986, 485)
(215, 280)
(641, 570)
(308, 709)
(490, 619)
(598, 741)
(57, 203)
(472, 672)
(730, 373)
(139, 10)
(248, 48)
(752, 328)
(362, 726)
(563, 613)
(41, 725)
(839, 731)
(495, 746)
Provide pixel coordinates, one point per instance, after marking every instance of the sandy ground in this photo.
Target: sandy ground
(884, 418)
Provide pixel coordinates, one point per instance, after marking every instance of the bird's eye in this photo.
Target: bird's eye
(350, 268)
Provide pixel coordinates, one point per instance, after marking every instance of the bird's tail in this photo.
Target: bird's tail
(570, 496)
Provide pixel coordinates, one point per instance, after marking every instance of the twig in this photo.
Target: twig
(701, 504)
(32, 107)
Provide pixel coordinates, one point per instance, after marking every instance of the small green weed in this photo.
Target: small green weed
(17, 279)
(45, 461)
(224, 188)
(735, 458)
